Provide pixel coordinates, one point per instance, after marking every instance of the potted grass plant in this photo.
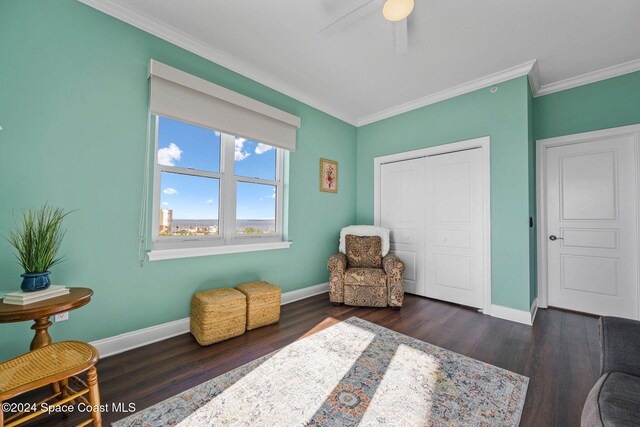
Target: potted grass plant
(37, 240)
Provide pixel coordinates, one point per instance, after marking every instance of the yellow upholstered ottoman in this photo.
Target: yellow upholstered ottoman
(217, 315)
(263, 303)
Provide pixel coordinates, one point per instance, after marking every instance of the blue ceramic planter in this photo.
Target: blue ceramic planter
(35, 282)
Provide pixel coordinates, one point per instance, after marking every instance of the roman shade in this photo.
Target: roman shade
(182, 96)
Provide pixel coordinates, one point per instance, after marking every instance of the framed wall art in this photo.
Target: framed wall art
(328, 176)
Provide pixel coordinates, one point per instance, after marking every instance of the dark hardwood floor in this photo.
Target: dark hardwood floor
(559, 354)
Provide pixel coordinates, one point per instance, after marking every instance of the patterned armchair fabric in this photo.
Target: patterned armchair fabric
(365, 277)
(337, 265)
(364, 252)
(362, 277)
(394, 268)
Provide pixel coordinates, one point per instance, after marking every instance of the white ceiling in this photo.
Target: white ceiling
(354, 73)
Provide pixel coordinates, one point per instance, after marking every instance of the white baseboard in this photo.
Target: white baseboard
(134, 339)
(303, 293)
(534, 310)
(520, 316)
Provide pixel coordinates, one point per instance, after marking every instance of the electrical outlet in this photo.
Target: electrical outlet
(61, 317)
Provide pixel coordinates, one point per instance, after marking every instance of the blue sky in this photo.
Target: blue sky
(191, 197)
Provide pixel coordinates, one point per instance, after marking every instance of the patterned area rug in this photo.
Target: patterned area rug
(352, 373)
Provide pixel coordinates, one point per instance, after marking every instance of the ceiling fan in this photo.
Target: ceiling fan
(395, 11)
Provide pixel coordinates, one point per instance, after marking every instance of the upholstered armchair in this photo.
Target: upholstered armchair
(361, 276)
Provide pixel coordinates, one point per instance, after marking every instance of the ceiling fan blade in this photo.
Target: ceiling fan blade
(350, 18)
(401, 37)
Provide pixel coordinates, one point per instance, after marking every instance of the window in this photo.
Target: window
(212, 189)
(215, 158)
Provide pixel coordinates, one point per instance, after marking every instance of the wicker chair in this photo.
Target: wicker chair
(53, 365)
(362, 277)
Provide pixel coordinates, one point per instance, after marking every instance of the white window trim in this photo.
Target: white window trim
(162, 254)
(227, 241)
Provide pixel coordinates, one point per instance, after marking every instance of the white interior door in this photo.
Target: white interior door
(454, 227)
(592, 226)
(401, 211)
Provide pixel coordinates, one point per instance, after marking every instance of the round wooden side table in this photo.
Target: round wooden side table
(41, 311)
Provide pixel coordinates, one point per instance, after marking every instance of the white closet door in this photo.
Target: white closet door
(453, 227)
(401, 211)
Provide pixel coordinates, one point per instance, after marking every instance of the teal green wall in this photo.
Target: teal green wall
(605, 104)
(504, 116)
(601, 105)
(533, 266)
(73, 105)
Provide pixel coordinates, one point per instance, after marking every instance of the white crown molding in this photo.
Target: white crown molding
(534, 78)
(492, 79)
(141, 337)
(592, 77)
(180, 39)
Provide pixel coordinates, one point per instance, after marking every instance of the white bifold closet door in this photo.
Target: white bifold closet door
(433, 206)
(453, 227)
(402, 188)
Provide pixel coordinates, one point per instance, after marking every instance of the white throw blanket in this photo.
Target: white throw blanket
(365, 230)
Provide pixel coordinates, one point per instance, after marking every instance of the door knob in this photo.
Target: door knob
(554, 238)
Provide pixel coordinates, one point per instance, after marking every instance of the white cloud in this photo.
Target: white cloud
(240, 152)
(170, 191)
(272, 196)
(168, 155)
(209, 201)
(165, 203)
(263, 148)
